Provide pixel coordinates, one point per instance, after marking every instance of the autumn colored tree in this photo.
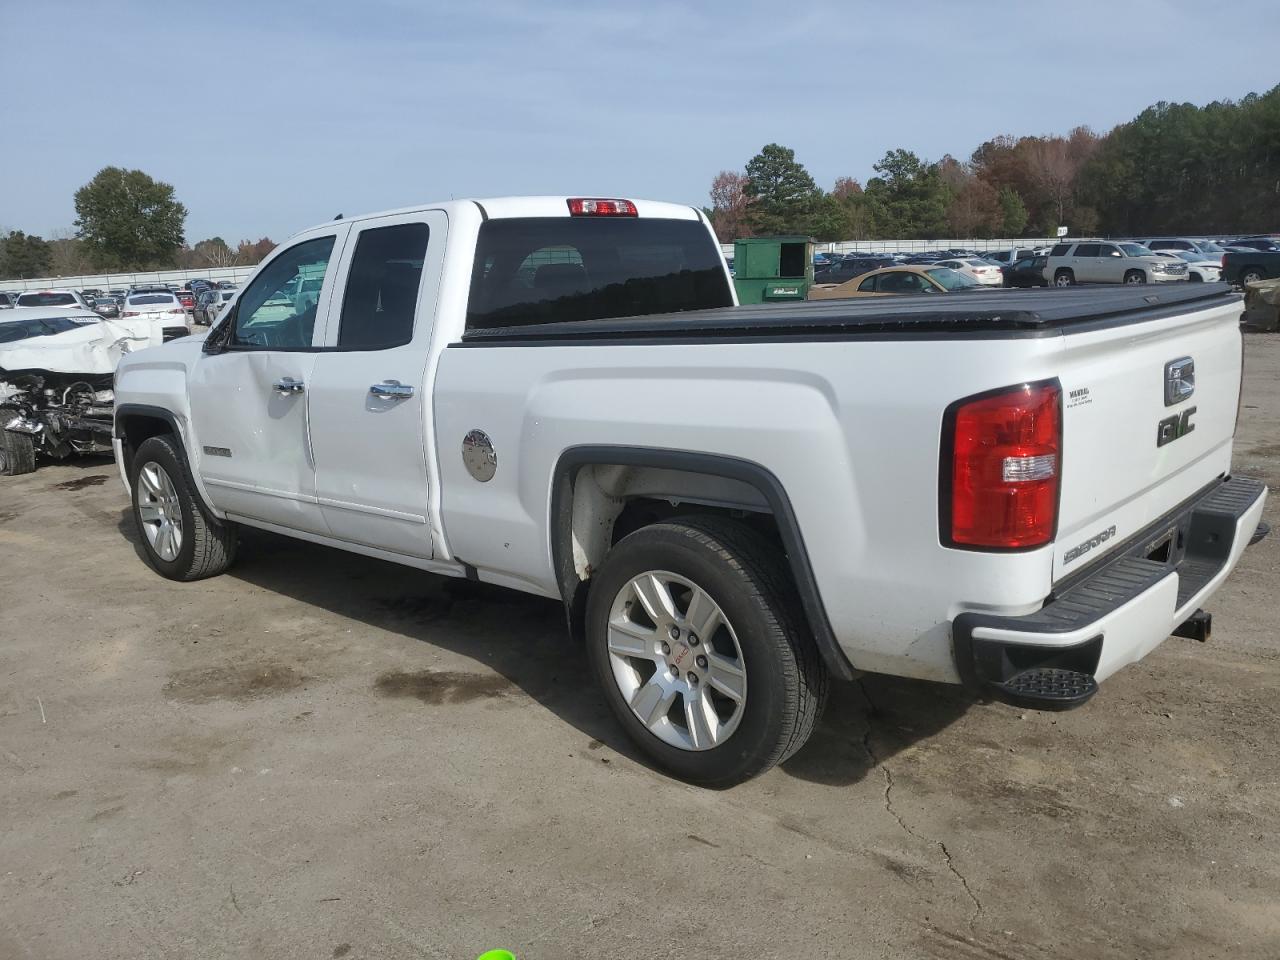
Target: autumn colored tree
(250, 253)
(729, 202)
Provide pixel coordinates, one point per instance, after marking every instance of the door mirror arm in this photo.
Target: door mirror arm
(216, 341)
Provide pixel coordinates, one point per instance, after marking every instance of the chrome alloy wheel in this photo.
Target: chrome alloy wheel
(677, 661)
(160, 511)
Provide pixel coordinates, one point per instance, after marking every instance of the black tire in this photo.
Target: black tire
(1251, 275)
(208, 545)
(786, 680)
(1135, 276)
(1195, 278)
(1064, 278)
(17, 451)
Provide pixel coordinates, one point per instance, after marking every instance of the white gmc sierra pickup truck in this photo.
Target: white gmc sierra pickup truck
(1020, 491)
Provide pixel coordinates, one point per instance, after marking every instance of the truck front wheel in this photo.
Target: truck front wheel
(695, 638)
(180, 539)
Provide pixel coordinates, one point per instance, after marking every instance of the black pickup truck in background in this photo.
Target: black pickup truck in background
(1249, 267)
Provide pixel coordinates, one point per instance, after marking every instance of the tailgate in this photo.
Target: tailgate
(1136, 445)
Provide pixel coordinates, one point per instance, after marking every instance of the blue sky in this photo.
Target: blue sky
(271, 116)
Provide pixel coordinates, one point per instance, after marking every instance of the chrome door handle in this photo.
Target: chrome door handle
(391, 390)
(288, 386)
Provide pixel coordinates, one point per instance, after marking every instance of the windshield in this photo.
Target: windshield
(553, 269)
(47, 300)
(25, 329)
(1135, 250)
(951, 280)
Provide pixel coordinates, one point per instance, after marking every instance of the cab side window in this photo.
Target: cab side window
(1107, 250)
(277, 311)
(902, 283)
(382, 287)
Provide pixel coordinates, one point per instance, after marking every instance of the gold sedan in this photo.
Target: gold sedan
(896, 281)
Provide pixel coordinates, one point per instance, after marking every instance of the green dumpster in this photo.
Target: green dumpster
(767, 269)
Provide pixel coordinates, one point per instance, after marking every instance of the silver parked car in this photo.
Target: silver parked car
(1104, 261)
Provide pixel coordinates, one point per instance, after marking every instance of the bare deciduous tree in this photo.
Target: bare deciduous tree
(729, 203)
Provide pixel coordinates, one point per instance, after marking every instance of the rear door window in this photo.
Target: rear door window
(555, 269)
(382, 287)
(1087, 250)
(1060, 250)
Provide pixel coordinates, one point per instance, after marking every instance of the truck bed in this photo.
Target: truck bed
(980, 314)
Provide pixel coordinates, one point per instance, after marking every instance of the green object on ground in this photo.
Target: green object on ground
(766, 269)
(497, 955)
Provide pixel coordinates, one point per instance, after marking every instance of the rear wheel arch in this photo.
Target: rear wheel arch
(587, 518)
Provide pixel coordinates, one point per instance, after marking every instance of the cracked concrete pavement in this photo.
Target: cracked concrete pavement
(320, 755)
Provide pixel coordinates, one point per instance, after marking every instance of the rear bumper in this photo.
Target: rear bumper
(1121, 609)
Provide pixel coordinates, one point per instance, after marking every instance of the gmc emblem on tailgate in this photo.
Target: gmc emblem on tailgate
(1171, 428)
(1179, 380)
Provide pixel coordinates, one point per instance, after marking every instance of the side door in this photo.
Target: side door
(248, 390)
(370, 402)
(1084, 261)
(1111, 263)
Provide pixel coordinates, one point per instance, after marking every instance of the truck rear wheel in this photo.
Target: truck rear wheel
(1251, 275)
(695, 638)
(180, 538)
(1064, 278)
(17, 452)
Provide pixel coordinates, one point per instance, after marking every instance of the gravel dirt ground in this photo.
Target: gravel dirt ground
(319, 755)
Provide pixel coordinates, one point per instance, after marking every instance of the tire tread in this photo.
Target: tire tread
(20, 452)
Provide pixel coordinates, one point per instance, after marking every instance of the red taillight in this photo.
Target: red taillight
(1005, 462)
(131, 313)
(583, 207)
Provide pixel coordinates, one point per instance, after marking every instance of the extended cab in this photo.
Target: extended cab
(1017, 491)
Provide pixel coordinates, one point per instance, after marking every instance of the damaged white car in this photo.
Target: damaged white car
(56, 371)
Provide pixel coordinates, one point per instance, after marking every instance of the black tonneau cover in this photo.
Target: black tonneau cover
(980, 314)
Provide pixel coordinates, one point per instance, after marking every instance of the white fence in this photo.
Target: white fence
(920, 246)
(115, 281)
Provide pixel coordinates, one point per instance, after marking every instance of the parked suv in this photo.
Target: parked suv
(1098, 261)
